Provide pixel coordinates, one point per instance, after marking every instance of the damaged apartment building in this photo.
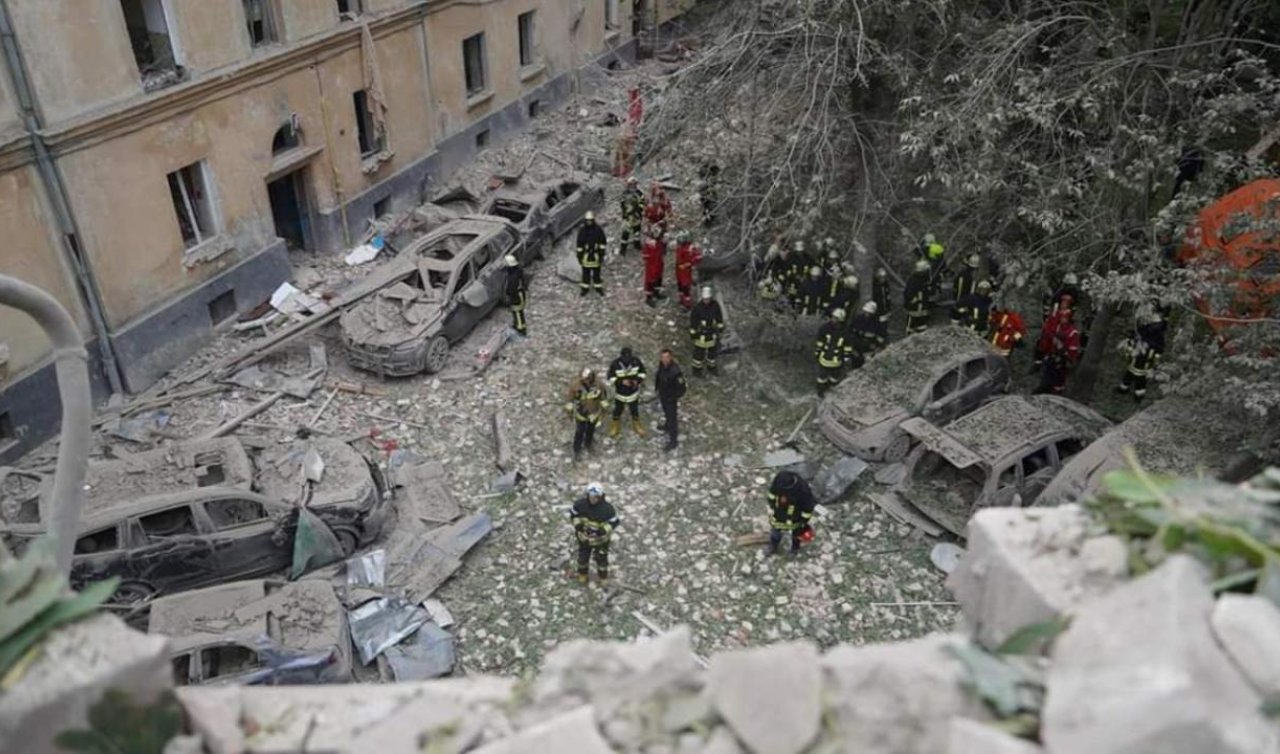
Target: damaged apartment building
(158, 158)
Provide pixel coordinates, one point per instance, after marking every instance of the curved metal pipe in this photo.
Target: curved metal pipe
(72, 365)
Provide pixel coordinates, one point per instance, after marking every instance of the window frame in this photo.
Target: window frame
(527, 34)
(611, 16)
(471, 88)
(270, 22)
(157, 538)
(204, 223)
(366, 129)
(219, 526)
(355, 9)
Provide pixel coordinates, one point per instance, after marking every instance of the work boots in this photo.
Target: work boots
(615, 428)
(637, 425)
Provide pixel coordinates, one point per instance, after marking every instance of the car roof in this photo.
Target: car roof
(1010, 423)
(897, 376)
(106, 516)
(308, 615)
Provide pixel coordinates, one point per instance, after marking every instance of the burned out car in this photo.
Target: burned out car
(255, 633)
(542, 210)
(430, 296)
(939, 375)
(1003, 454)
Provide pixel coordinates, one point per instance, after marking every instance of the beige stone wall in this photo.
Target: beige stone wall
(10, 116)
(305, 18)
(207, 34)
(30, 252)
(670, 9)
(77, 53)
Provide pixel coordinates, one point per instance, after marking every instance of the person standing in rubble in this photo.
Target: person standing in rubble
(813, 293)
(594, 520)
(706, 322)
(1061, 353)
(591, 247)
(846, 295)
(916, 298)
(654, 250)
(626, 377)
(833, 351)
(1052, 299)
(867, 334)
(688, 257)
(833, 274)
(932, 253)
(657, 212)
(586, 406)
(671, 388)
(966, 280)
(880, 295)
(1006, 330)
(791, 505)
(709, 191)
(514, 292)
(632, 216)
(973, 311)
(794, 272)
(1048, 331)
(1145, 348)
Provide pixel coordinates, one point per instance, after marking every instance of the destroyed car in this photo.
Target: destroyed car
(430, 296)
(255, 633)
(939, 375)
(1003, 454)
(1176, 435)
(544, 211)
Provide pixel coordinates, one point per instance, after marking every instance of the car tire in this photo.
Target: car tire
(133, 593)
(347, 540)
(897, 448)
(436, 355)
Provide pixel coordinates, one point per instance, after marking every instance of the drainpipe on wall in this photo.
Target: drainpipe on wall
(56, 189)
(72, 365)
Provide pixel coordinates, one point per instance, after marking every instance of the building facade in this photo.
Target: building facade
(159, 157)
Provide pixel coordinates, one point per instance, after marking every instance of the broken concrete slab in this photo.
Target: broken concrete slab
(268, 381)
(570, 732)
(782, 457)
(722, 742)
(1024, 566)
(76, 665)
(835, 479)
(427, 494)
(1138, 670)
(506, 483)
(440, 614)
(609, 675)
(214, 713)
(898, 697)
(972, 737)
(783, 718)
(1248, 628)
(891, 474)
(420, 561)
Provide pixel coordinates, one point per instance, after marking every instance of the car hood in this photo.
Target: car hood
(864, 410)
(384, 321)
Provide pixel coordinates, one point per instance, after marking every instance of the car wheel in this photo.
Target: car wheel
(347, 540)
(133, 593)
(437, 354)
(897, 449)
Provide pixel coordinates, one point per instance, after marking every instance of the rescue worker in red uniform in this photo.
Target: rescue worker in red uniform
(657, 212)
(688, 257)
(654, 251)
(1006, 331)
(791, 504)
(1050, 327)
(1061, 353)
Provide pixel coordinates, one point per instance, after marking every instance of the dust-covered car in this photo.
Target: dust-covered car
(255, 633)
(940, 375)
(1179, 435)
(430, 296)
(1003, 454)
(545, 211)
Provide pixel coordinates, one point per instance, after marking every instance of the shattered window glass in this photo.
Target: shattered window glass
(99, 541)
(1035, 461)
(947, 385)
(182, 669)
(173, 522)
(226, 660)
(229, 513)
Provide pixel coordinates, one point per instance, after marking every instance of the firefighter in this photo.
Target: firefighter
(657, 211)
(932, 253)
(1052, 299)
(591, 247)
(1061, 353)
(1145, 348)
(1006, 330)
(515, 293)
(833, 273)
(973, 311)
(1049, 330)
(793, 272)
(688, 257)
(867, 334)
(847, 294)
(966, 279)
(880, 294)
(671, 387)
(812, 293)
(594, 519)
(706, 322)
(916, 299)
(586, 405)
(654, 250)
(626, 376)
(632, 216)
(833, 351)
(708, 191)
(791, 505)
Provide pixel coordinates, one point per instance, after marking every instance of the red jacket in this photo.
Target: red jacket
(1060, 338)
(688, 256)
(1050, 330)
(658, 207)
(653, 251)
(1007, 330)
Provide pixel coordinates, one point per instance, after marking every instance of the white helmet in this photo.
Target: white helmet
(850, 281)
(511, 260)
(587, 372)
(590, 216)
(706, 293)
(838, 315)
(799, 246)
(922, 266)
(929, 238)
(815, 272)
(974, 260)
(869, 307)
(984, 285)
(1070, 279)
(595, 489)
(881, 272)
(632, 180)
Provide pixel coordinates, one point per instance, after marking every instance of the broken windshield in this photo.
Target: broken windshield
(449, 246)
(944, 492)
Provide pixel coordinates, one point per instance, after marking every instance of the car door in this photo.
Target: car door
(241, 529)
(570, 207)
(100, 554)
(458, 317)
(975, 386)
(941, 407)
(171, 551)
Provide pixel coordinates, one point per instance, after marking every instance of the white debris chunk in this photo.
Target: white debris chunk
(573, 731)
(769, 696)
(1248, 627)
(1139, 671)
(972, 737)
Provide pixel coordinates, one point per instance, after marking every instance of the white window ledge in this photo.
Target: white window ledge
(375, 161)
(207, 250)
(479, 98)
(532, 71)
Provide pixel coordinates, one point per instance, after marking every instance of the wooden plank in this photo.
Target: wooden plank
(249, 413)
(502, 450)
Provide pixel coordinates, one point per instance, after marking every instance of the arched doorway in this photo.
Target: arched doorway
(287, 192)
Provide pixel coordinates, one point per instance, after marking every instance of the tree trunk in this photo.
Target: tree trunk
(1086, 376)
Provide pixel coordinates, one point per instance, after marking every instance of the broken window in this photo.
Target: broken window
(222, 308)
(382, 207)
(189, 190)
(1068, 447)
(1035, 461)
(947, 385)
(149, 38)
(287, 137)
(174, 522)
(371, 139)
(227, 660)
(525, 23)
(226, 514)
(610, 14)
(975, 370)
(349, 9)
(260, 16)
(211, 475)
(181, 669)
(473, 63)
(511, 209)
(464, 277)
(482, 139)
(103, 540)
